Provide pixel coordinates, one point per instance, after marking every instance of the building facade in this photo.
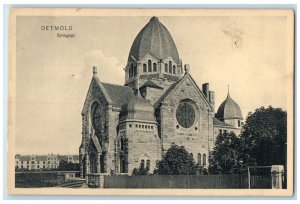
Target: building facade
(40, 162)
(160, 104)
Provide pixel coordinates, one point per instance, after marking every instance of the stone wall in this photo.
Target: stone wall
(94, 95)
(199, 137)
(142, 143)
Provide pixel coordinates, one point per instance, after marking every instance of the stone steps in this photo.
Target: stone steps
(73, 183)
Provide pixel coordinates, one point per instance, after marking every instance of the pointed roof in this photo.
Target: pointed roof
(229, 109)
(151, 84)
(175, 85)
(156, 40)
(116, 95)
(120, 95)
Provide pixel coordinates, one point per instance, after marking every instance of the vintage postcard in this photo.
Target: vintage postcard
(179, 102)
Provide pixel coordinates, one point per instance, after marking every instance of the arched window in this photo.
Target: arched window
(122, 144)
(191, 155)
(134, 70)
(170, 67)
(174, 69)
(199, 158)
(154, 67)
(204, 159)
(239, 123)
(149, 66)
(142, 163)
(148, 164)
(166, 68)
(144, 68)
(130, 72)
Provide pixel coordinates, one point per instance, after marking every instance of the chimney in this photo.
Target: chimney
(94, 70)
(205, 90)
(187, 68)
(212, 99)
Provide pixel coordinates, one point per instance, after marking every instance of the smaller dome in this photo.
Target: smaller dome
(229, 109)
(139, 108)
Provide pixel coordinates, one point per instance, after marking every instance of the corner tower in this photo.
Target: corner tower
(153, 56)
(230, 112)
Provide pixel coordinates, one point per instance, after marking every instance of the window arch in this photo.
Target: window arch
(134, 70)
(144, 68)
(142, 163)
(170, 67)
(199, 158)
(148, 164)
(174, 69)
(154, 67)
(130, 71)
(166, 68)
(149, 66)
(204, 159)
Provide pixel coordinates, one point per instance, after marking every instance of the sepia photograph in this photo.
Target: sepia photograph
(195, 102)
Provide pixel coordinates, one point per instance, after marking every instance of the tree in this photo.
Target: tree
(68, 166)
(177, 161)
(142, 170)
(225, 157)
(264, 137)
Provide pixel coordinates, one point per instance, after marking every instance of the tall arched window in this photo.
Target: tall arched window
(166, 68)
(199, 158)
(144, 68)
(130, 72)
(191, 155)
(148, 164)
(204, 159)
(134, 70)
(170, 67)
(149, 66)
(174, 69)
(154, 67)
(142, 163)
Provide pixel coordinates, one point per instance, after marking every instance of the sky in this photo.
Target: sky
(53, 74)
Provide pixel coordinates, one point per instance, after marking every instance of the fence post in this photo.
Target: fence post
(276, 172)
(249, 178)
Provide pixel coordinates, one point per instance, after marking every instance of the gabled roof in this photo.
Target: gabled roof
(151, 84)
(120, 95)
(175, 85)
(116, 95)
(170, 89)
(217, 122)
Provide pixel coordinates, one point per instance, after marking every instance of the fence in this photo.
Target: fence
(38, 179)
(185, 181)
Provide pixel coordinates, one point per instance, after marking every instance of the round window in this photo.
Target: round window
(185, 114)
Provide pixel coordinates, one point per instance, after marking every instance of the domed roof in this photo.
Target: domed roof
(229, 109)
(155, 39)
(139, 108)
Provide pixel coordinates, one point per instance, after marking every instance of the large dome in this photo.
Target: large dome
(155, 39)
(229, 109)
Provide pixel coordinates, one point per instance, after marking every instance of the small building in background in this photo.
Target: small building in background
(40, 162)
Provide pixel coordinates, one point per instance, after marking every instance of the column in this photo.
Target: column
(276, 172)
(98, 163)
